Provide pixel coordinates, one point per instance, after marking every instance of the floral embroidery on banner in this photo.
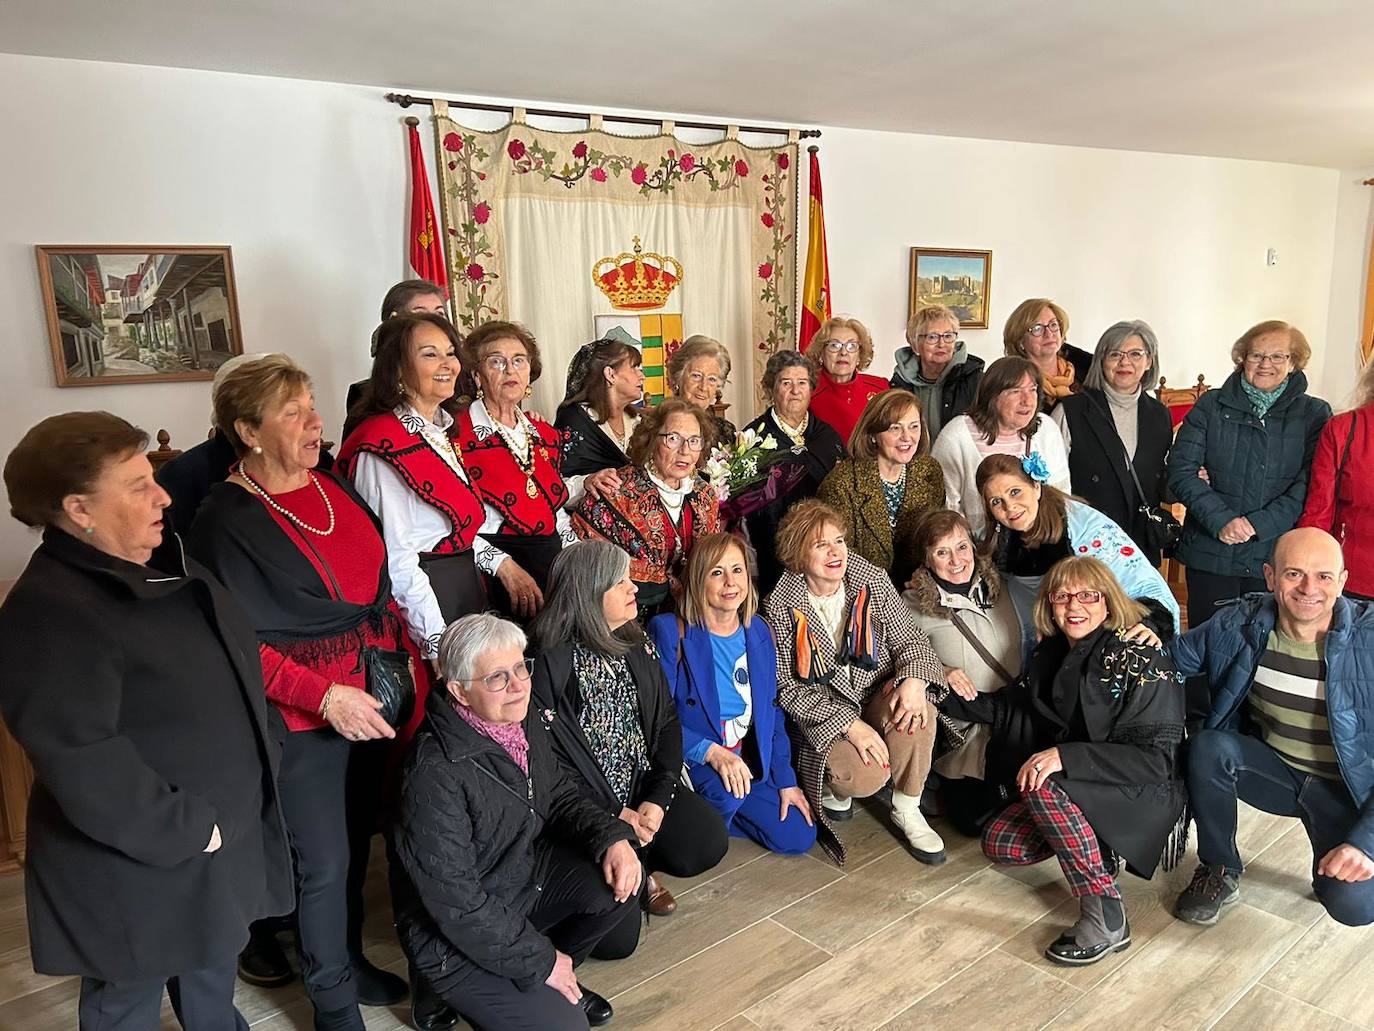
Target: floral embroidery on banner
(468, 246)
(774, 219)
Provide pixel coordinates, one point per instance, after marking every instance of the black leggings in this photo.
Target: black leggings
(691, 841)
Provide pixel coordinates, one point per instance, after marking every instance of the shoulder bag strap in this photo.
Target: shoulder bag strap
(980, 648)
(1340, 474)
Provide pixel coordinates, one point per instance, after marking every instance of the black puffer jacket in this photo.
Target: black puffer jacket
(464, 840)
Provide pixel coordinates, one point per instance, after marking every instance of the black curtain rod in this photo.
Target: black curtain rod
(406, 100)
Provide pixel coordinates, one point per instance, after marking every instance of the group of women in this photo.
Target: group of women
(607, 682)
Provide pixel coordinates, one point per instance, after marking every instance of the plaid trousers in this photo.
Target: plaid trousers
(1046, 823)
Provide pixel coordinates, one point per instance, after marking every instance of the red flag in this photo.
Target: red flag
(815, 298)
(426, 256)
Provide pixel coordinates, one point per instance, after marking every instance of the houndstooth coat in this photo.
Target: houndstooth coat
(817, 715)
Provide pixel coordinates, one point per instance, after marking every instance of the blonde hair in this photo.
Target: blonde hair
(251, 389)
(800, 527)
(928, 316)
(1087, 574)
(880, 413)
(1299, 350)
(706, 554)
(816, 348)
(1025, 315)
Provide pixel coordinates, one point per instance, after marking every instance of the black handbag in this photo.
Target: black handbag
(1161, 529)
(386, 673)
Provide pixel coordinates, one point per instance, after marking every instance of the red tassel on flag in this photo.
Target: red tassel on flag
(426, 255)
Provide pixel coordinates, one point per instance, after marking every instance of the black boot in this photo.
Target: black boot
(346, 1019)
(597, 1009)
(262, 961)
(377, 987)
(428, 1011)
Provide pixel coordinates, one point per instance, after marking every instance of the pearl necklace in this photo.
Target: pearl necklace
(272, 503)
(799, 435)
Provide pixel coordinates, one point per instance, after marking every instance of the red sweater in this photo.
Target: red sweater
(355, 554)
(841, 404)
(1353, 525)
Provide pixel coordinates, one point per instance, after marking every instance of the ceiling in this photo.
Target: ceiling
(1274, 80)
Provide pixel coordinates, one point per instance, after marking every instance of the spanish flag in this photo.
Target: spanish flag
(426, 254)
(815, 303)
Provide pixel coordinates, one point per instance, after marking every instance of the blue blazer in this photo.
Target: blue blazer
(691, 674)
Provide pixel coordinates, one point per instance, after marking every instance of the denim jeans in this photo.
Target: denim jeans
(1225, 766)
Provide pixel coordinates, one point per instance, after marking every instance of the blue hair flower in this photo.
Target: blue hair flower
(1035, 467)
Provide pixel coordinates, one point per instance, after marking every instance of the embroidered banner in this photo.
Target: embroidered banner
(528, 214)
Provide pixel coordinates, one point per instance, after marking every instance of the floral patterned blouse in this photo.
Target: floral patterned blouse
(610, 718)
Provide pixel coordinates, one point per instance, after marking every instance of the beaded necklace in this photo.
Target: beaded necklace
(524, 456)
(272, 503)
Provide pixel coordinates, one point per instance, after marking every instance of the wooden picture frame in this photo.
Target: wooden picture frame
(135, 314)
(959, 279)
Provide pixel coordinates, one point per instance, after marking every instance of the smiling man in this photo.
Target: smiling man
(1292, 685)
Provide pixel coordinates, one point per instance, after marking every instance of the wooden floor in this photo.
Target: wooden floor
(794, 943)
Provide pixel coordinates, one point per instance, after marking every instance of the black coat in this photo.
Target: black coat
(823, 449)
(1121, 751)
(138, 698)
(557, 691)
(1097, 460)
(464, 842)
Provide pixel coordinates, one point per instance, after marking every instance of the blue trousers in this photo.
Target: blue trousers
(755, 816)
(1225, 766)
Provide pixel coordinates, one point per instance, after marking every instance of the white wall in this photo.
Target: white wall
(307, 182)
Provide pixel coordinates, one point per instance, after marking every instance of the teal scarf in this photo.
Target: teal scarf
(1263, 400)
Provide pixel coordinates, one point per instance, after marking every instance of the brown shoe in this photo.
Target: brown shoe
(661, 901)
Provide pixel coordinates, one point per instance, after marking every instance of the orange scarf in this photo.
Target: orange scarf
(1060, 384)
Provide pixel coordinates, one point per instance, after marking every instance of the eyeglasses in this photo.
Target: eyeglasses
(949, 336)
(500, 363)
(1038, 330)
(1134, 356)
(500, 680)
(701, 377)
(1278, 358)
(1084, 597)
(676, 440)
(847, 346)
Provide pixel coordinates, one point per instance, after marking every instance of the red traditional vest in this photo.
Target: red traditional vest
(423, 470)
(525, 510)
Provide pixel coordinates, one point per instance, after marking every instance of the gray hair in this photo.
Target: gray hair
(696, 346)
(468, 638)
(1112, 340)
(581, 575)
(780, 361)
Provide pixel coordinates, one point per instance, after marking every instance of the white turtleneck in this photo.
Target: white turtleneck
(673, 497)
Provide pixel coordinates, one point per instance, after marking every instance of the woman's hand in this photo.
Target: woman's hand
(601, 483)
(215, 840)
(960, 683)
(525, 596)
(623, 870)
(1237, 531)
(354, 714)
(792, 798)
(1142, 634)
(1204, 475)
(1037, 769)
(637, 825)
(650, 817)
(562, 979)
(872, 748)
(907, 704)
(734, 771)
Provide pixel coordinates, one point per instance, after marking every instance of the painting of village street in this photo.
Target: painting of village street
(138, 315)
(959, 280)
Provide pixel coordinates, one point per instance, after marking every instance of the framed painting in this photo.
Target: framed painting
(134, 314)
(960, 280)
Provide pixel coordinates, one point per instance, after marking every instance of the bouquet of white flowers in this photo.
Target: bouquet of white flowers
(750, 474)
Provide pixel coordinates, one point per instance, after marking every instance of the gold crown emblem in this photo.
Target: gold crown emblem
(632, 283)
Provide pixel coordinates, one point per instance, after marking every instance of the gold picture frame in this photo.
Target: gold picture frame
(961, 280)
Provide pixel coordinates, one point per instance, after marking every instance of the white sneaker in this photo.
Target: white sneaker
(924, 844)
(836, 808)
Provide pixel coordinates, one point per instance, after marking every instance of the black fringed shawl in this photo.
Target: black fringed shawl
(290, 606)
(586, 447)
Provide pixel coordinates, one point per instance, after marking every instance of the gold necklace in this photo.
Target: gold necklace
(524, 462)
(276, 507)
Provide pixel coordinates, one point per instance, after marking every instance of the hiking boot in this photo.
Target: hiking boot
(1212, 887)
(1102, 928)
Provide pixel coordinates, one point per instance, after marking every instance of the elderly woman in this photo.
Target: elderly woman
(843, 348)
(514, 459)
(598, 416)
(854, 672)
(722, 667)
(506, 874)
(1340, 500)
(1096, 726)
(661, 508)
(1005, 419)
(305, 558)
(1118, 436)
(612, 718)
(1038, 330)
(1255, 436)
(789, 379)
(154, 828)
(962, 605)
(697, 372)
(1035, 525)
(887, 484)
(937, 367)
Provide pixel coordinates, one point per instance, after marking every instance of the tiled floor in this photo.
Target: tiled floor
(783, 944)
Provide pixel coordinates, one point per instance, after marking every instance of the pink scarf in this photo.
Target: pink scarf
(510, 736)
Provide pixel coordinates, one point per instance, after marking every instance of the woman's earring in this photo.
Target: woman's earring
(479, 393)
(529, 392)
(257, 449)
(90, 531)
